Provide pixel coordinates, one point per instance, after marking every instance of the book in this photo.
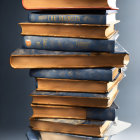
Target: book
(67, 112)
(103, 100)
(69, 30)
(78, 127)
(33, 135)
(68, 4)
(61, 136)
(33, 58)
(69, 85)
(70, 44)
(75, 17)
(97, 74)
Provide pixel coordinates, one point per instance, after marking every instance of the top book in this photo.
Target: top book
(69, 4)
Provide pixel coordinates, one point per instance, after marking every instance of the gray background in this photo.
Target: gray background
(16, 85)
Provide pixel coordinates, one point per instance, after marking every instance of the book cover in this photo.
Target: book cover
(70, 44)
(78, 127)
(69, 85)
(33, 58)
(97, 74)
(69, 30)
(74, 18)
(82, 113)
(68, 4)
(97, 100)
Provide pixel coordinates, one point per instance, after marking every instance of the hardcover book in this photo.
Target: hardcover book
(70, 44)
(31, 135)
(33, 58)
(68, 4)
(74, 17)
(69, 30)
(68, 85)
(104, 100)
(78, 127)
(97, 74)
(61, 136)
(81, 113)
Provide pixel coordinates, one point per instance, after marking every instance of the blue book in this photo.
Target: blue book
(69, 112)
(97, 74)
(31, 135)
(102, 100)
(70, 44)
(88, 17)
(33, 58)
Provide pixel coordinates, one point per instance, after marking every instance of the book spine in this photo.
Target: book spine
(71, 18)
(68, 44)
(78, 74)
(101, 114)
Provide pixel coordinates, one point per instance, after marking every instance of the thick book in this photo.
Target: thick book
(69, 85)
(67, 112)
(69, 30)
(68, 4)
(78, 127)
(75, 18)
(97, 74)
(104, 100)
(33, 58)
(70, 44)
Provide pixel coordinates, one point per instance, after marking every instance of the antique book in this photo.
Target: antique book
(104, 100)
(36, 135)
(67, 112)
(61, 136)
(69, 30)
(33, 58)
(70, 85)
(97, 74)
(70, 44)
(78, 127)
(74, 17)
(68, 4)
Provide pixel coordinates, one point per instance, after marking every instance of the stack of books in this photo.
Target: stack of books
(71, 49)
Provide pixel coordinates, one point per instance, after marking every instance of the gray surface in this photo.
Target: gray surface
(16, 84)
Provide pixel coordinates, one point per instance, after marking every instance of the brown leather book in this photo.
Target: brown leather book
(75, 99)
(78, 127)
(33, 58)
(68, 4)
(69, 30)
(69, 85)
(69, 112)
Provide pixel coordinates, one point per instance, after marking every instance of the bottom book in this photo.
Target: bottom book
(35, 135)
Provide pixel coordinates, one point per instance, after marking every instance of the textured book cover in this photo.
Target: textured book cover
(104, 100)
(65, 112)
(68, 4)
(97, 74)
(70, 44)
(33, 58)
(74, 18)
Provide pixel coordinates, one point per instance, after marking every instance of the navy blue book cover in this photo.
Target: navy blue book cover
(97, 74)
(70, 44)
(32, 52)
(72, 17)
